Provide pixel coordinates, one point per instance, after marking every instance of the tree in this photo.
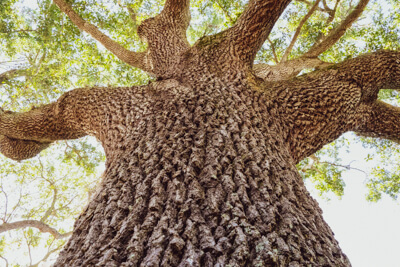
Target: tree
(201, 163)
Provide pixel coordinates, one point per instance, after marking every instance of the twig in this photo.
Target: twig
(316, 160)
(42, 227)
(296, 34)
(310, 4)
(1, 257)
(28, 243)
(49, 252)
(74, 150)
(273, 50)
(226, 13)
(16, 205)
(6, 205)
(332, 14)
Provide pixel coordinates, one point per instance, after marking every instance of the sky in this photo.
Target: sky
(368, 232)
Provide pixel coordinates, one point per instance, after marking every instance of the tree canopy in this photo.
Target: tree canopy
(43, 54)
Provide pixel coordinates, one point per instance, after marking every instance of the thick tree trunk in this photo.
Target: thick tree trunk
(195, 179)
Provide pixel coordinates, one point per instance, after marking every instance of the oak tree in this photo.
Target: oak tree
(201, 161)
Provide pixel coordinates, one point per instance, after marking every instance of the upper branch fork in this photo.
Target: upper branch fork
(165, 34)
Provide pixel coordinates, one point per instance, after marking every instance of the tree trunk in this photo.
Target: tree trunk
(195, 179)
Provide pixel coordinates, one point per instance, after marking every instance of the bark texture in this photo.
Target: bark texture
(200, 165)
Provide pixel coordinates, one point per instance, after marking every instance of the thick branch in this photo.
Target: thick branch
(166, 38)
(17, 149)
(178, 10)
(288, 69)
(43, 125)
(337, 32)
(75, 114)
(42, 227)
(129, 57)
(23, 135)
(372, 72)
(380, 120)
(318, 107)
(254, 25)
(296, 34)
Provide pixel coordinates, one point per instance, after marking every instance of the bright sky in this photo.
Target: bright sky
(368, 233)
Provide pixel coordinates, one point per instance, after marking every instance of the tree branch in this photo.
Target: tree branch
(253, 27)
(45, 124)
(226, 13)
(337, 32)
(49, 252)
(133, 17)
(50, 210)
(178, 10)
(166, 38)
(332, 12)
(372, 72)
(288, 69)
(42, 227)
(311, 4)
(18, 149)
(127, 56)
(273, 50)
(296, 34)
(4, 259)
(343, 91)
(380, 120)
(331, 17)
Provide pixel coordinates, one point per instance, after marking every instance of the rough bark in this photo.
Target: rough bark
(200, 165)
(288, 69)
(202, 177)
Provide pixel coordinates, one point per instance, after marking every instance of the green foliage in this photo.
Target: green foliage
(324, 169)
(385, 173)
